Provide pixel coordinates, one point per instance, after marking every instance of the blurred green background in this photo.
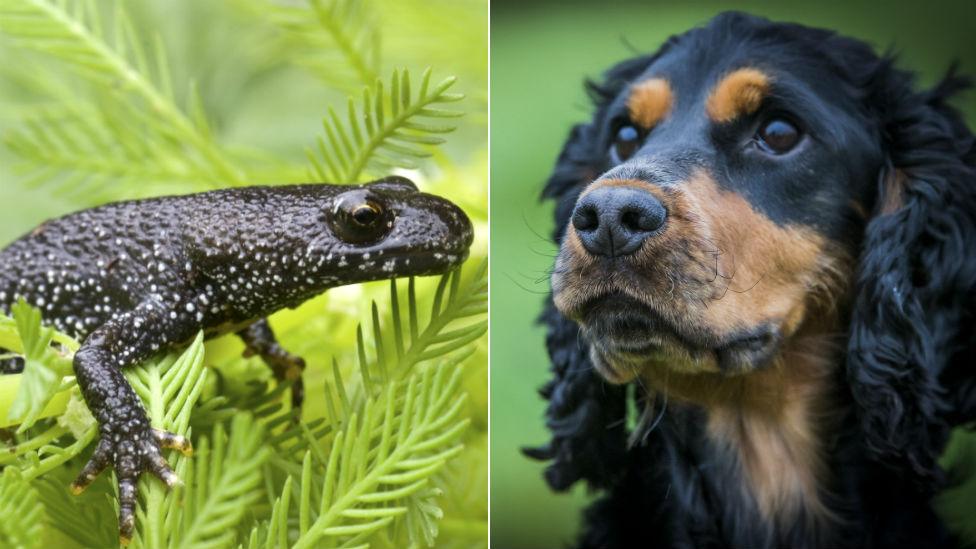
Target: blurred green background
(265, 87)
(540, 53)
(268, 72)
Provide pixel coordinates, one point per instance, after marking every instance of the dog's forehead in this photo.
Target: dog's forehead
(789, 63)
(693, 67)
(708, 80)
(800, 60)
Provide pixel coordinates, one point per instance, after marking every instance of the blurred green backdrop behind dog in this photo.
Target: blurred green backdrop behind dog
(541, 52)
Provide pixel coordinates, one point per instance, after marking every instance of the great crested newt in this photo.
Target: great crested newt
(134, 278)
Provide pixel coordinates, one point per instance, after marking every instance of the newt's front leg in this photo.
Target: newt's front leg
(127, 440)
(260, 340)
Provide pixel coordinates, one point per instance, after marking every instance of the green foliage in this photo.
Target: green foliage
(22, 515)
(448, 327)
(171, 386)
(221, 482)
(88, 520)
(337, 40)
(44, 366)
(379, 463)
(463, 504)
(138, 131)
(108, 107)
(388, 133)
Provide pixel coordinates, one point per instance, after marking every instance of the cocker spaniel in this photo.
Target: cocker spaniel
(768, 245)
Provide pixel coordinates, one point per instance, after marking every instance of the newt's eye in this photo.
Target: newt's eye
(360, 219)
(366, 214)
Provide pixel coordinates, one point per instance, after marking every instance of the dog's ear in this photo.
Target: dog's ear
(912, 337)
(586, 415)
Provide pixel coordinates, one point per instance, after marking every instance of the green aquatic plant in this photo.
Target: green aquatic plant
(394, 401)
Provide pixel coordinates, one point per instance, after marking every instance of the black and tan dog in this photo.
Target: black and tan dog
(769, 233)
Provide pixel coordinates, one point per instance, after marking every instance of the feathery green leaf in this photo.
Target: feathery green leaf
(43, 366)
(21, 511)
(337, 40)
(220, 484)
(378, 460)
(169, 388)
(108, 116)
(386, 131)
(136, 131)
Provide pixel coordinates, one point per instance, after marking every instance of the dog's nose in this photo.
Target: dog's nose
(615, 221)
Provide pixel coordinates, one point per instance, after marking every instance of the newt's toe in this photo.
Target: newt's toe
(173, 441)
(127, 508)
(297, 394)
(101, 458)
(132, 456)
(288, 367)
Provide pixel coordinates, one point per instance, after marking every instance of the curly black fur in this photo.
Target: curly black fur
(909, 375)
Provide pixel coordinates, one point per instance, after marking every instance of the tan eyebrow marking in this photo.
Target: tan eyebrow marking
(649, 102)
(739, 92)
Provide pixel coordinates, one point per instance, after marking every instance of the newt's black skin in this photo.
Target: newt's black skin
(134, 278)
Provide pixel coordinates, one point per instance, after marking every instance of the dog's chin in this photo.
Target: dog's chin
(614, 371)
(626, 337)
(620, 358)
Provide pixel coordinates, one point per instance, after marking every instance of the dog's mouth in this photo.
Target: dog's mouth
(626, 335)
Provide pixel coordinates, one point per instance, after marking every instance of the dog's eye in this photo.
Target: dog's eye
(625, 143)
(777, 136)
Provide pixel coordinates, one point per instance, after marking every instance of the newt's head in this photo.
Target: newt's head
(388, 229)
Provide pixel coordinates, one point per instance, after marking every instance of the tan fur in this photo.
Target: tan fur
(769, 418)
(719, 265)
(737, 93)
(778, 448)
(894, 192)
(757, 253)
(722, 267)
(858, 209)
(573, 259)
(772, 420)
(649, 102)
